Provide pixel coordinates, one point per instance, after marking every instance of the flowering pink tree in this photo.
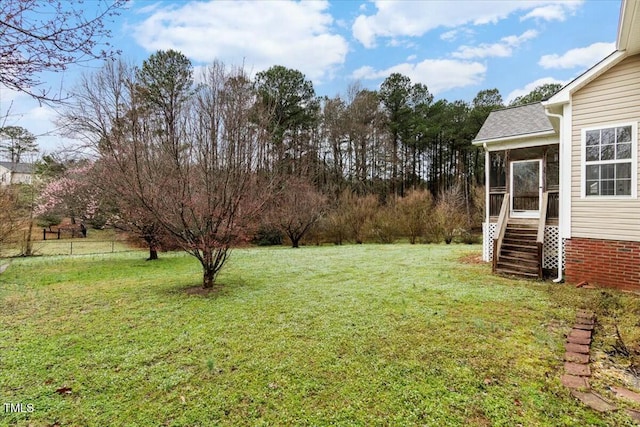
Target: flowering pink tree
(72, 195)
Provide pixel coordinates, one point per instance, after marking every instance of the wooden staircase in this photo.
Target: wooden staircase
(519, 252)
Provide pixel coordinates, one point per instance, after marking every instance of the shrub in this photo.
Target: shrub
(414, 212)
(384, 227)
(450, 219)
(268, 236)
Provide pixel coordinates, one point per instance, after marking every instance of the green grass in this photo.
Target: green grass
(352, 335)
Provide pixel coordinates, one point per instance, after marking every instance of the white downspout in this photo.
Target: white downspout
(487, 198)
(487, 165)
(560, 118)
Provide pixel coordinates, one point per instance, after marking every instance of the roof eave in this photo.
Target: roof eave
(491, 141)
(564, 95)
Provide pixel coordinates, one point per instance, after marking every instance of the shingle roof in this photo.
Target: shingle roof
(18, 167)
(515, 121)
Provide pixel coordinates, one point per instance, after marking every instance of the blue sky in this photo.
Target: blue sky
(455, 47)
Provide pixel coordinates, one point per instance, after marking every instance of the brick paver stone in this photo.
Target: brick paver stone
(634, 414)
(583, 326)
(585, 320)
(594, 401)
(578, 340)
(574, 381)
(577, 369)
(577, 348)
(576, 357)
(627, 394)
(580, 333)
(585, 313)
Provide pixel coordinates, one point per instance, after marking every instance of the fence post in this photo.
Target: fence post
(44, 234)
(71, 248)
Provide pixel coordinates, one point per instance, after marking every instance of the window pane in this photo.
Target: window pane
(612, 149)
(553, 167)
(608, 136)
(608, 152)
(623, 187)
(593, 137)
(624, 134)
(623, 171)
(497, 173)
(593, 153)
(593, 172)
(607, 187)
(607, 171)
(624, 151)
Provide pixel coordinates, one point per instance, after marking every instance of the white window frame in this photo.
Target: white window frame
(633, 160)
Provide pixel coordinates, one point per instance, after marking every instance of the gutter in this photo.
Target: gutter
(560, 118)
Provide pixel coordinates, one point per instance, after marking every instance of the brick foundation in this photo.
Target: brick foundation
(610, 263)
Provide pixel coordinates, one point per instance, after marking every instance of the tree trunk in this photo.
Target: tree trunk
(208, 268)
(153, 247)
(295, 243)
(153, 253)
(208, 277)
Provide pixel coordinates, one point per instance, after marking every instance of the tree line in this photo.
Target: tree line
(205, 162)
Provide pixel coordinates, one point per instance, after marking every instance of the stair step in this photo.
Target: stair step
(515, 239)
(508, 272)
(517, 244)
(517, 268)
(519, 250)
(527, 230)
(519, 258)
(517, 264)
(521, 234)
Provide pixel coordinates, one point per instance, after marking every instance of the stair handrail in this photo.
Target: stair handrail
(541, 226)
(500, 230)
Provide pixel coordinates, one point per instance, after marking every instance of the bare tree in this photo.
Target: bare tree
(10, 217)
(199, 184)
(50, 35)
(297, 208)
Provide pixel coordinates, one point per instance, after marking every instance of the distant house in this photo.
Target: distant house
(15, 173)
(562, 175)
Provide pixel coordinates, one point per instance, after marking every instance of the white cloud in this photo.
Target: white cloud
(580, 57)
(257, 33)
(449, 35)
(19, 109)
(456, 33)
(439, 75)
(415, 18)
(552, 12)
(531, 86)
(503, 48)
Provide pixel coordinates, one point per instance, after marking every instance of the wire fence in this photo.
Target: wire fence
(67, 247)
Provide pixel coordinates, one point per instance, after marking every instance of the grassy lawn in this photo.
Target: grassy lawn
(351, 335)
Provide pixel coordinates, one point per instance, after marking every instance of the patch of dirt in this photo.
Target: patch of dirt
(200, 291)
(472, 259)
